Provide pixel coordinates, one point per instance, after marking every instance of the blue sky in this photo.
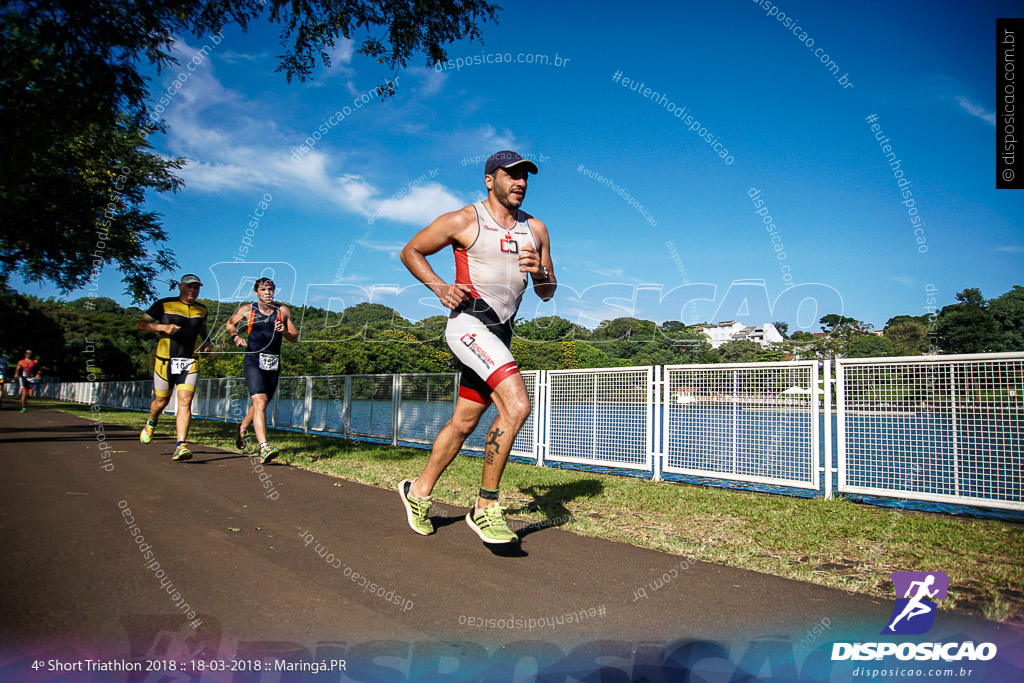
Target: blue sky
(339, 213)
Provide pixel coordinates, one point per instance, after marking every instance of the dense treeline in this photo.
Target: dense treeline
(98, 335)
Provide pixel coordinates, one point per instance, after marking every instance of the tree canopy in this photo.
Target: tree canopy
(372, 338)
(75, 174)
(975, 325)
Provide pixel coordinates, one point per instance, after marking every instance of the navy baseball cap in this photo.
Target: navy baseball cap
(507, 159)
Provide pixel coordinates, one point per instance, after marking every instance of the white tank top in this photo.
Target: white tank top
(490, 266)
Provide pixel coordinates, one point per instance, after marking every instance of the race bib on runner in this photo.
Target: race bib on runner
(181, 365)
(269, 361)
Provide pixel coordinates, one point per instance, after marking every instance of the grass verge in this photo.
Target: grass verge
(833, 543)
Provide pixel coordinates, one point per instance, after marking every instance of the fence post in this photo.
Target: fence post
(656, 439)
(273, 412)
(396, 404)
(954, 427)
(544, 389)
(593, 426)
(540, 417)
(307, 406)
(840, 424)
(227, 399)
(829, 453)
(346, 408)
(735, 419)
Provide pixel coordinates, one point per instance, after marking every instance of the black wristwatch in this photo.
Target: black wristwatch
(547, 275)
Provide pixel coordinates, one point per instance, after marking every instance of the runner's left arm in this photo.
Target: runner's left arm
(530, 261)
(285, 326)
(207, 344)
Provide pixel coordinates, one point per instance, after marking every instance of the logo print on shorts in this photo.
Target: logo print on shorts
(914, 613)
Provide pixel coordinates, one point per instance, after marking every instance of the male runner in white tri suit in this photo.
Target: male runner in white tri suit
(498, 248)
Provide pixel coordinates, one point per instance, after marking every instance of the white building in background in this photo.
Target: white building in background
(731, 330)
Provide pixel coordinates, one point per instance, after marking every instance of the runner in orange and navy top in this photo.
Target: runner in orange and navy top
(266, 325)
(181, 322)
(28, 373)
(498, 249)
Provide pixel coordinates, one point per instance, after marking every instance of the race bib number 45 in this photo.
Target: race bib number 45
(181, 365)
(269, 361)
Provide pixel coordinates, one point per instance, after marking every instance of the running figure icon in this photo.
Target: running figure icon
(916, 592)
(914, 607)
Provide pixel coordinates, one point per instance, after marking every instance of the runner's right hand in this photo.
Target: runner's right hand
(171, 328)
(454, 295)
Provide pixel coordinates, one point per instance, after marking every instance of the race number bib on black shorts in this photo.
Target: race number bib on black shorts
(270, 361)
(180, 366)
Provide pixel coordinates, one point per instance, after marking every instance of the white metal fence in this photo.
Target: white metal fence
(600, 417)
(944, 429)
(755, 422)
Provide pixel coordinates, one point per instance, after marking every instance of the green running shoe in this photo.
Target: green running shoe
(242, 441)
(489, 524)
(416, 509)
(268, 453)
(147, 433)
(181, 452)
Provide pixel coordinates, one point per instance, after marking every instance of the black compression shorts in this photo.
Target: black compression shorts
(259, 381)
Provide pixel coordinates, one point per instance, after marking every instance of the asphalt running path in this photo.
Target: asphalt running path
(74, 577)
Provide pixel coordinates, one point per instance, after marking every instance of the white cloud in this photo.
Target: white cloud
(341, 53)
(1011, 249)
(904, 280)
(232, 57)
(209, 177)
(231, 143)
(392, 249)
(599, 270)
(976, 110)
(432, 81)
(421, 206)
(497, 141)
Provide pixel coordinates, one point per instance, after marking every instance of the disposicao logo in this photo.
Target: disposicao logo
(914, 613)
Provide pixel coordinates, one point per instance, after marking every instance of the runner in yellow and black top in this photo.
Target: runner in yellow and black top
(180, 322)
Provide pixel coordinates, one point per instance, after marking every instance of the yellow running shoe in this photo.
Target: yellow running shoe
(417, 510)
(489, 524)
(181, 452)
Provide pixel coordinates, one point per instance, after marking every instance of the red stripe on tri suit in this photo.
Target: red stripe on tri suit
(501, 373)
(462, 272)
(470, 395)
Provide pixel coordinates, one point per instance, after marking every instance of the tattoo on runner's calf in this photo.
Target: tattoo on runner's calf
(492, 440)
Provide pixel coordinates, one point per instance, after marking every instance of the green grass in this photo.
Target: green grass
(833, 543)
